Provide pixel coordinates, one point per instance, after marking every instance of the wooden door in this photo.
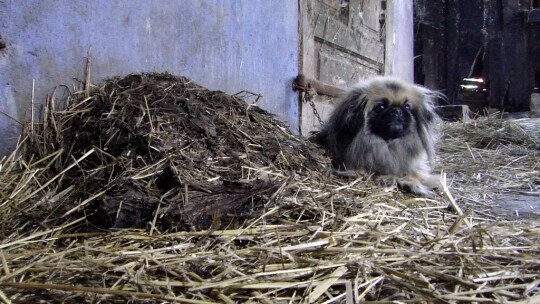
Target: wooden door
(342, 42)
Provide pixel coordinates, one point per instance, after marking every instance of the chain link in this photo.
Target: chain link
(309, 94)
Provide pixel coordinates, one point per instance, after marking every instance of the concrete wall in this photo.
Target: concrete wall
(230, 45)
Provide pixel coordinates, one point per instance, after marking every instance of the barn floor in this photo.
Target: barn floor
(517, 207)
(256, 218)
(500, 159)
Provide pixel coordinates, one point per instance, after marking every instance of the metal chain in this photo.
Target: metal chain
(309, 94)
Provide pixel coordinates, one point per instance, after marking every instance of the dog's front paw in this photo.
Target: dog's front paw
(415, 186)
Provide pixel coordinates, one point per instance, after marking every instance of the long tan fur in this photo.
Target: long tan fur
(353, 145)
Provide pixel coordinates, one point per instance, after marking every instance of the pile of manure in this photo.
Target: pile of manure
(162, 150)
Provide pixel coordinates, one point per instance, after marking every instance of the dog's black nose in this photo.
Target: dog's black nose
(396, 112)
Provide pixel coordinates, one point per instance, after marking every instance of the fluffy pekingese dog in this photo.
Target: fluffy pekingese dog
(386, 127)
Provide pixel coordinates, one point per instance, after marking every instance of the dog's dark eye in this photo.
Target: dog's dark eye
(407, 106)
(379, 108)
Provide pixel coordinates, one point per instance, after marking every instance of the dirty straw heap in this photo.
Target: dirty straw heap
(155, 146)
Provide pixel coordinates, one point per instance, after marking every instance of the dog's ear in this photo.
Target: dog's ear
(428, 121)
(352, 108)
(319, 137)
(346, 121)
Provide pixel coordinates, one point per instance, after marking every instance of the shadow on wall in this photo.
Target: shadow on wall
(10, 127)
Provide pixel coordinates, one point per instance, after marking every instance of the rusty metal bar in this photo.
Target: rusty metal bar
(303, 83)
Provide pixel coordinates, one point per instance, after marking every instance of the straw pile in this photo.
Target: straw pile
(154, 146)
(151, 188)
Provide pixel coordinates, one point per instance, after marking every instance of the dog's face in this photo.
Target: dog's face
(391, 109)
(383, 126)
(391, 120)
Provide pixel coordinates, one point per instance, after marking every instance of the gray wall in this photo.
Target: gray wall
(230, 45)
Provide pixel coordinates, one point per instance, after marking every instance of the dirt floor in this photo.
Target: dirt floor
(518, 207)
